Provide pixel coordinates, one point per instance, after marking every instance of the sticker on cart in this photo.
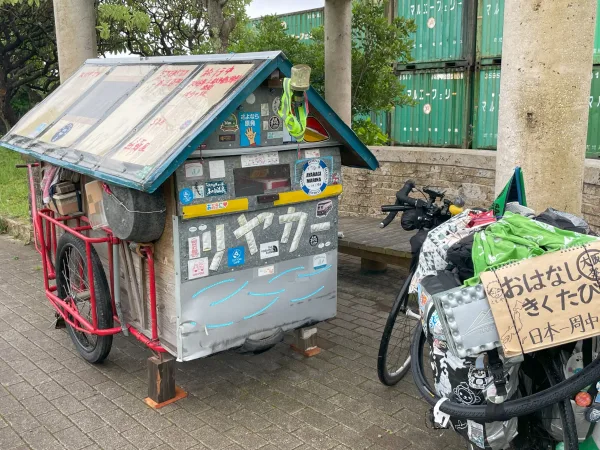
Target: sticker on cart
(320, 261)
(230, 125)
(212, 188)
(198, 191)
(206, 241)
(216, 205)
(202, 227)
(186, 196)
(265, 125)
(275, 135)
(197, 268)
(320, 227)
(312, 154)
(264, 109)
(335, 178)
(235, 256)
(260, 159)
(216, 261)
(269, 250)
(227, 138)
(250, 129)
(217, 169)
(265, 271)
(321, 245)
(276, 104)
(328, 244)
(193, 229)
(194, 170)
(251, 99)
(313, 240)
(194, 247)
(274, 123)
(323, 208)
(315, 176)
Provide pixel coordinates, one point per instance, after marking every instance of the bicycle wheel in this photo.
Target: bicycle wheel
(393, 361)
(73, 283)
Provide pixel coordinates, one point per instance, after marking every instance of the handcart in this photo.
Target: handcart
(191, 202)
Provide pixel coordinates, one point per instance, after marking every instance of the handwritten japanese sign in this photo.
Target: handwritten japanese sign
(546, 301)
(188, 106)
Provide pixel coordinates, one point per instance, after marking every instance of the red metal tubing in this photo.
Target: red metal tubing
(151, 344)
(43, 252)
(90, 271)
(68, 229)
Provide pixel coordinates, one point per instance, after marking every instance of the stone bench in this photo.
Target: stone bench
(376, 247)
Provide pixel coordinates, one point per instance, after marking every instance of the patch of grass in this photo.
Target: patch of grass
(14, 202)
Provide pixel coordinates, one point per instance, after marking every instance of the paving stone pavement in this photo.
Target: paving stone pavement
(50, 398)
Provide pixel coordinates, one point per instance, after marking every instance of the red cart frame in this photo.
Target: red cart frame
(45, 240)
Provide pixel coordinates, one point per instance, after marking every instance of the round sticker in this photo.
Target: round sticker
(193, 229)
(186, 196)
(202, 227)
(274, 123)
(327, 244)
(251, 99)
(431, 22)
(427, 108)
(62, 132)
(315, 176)
(276, 104)
(321, 245)
(313, 240)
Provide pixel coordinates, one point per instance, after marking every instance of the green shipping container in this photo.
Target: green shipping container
(593, 135)
(380, 118)
(445, 29)
(490, 25)
(441, 113)
(486, 99)
(299, 24)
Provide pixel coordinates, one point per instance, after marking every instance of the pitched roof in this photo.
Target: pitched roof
(133, 121)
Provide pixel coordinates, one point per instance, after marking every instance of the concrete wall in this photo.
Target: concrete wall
(470, 173)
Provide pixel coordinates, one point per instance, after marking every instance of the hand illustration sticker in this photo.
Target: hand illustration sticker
(251, 135)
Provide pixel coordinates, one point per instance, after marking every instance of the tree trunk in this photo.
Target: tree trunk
(220, 28)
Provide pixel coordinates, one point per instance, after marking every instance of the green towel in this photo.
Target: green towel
(514, 238)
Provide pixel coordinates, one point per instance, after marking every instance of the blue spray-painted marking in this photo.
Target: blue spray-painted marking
(265, 294)
(260, 311)
(230, 295)
(212, 286)
(294, 300)
(316, 272)
(219, 325)
(285, 272)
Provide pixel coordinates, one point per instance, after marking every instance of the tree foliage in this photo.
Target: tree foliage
(168, 27)
(28, 57)
(376, 46)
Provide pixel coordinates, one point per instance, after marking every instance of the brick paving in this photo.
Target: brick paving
(51, 399)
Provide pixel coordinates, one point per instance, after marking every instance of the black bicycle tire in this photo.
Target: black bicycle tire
(400, 305)
(103, 299)
(511, 408)
(565, 410)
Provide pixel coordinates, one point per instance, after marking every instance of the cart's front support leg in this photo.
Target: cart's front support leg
(161, 381)
(305, 341)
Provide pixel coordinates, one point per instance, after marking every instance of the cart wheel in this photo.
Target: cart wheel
(72, 282)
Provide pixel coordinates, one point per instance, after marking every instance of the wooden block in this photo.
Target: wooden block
(305, 342)
(161, 378)
(179, 394)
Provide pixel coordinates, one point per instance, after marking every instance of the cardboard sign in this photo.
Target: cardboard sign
(546, 301)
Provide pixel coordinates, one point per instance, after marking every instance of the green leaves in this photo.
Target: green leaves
(369, 133)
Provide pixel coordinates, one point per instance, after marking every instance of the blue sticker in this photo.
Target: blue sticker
(62, 132)
(235, 256)
(315, 176)
(250, 129)
(186, 196)
(215, 188)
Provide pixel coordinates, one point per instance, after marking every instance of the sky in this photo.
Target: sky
(260, 8)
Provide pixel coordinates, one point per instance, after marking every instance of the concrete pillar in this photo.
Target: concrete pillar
(75, 22)
(338, 57)
(545, 86)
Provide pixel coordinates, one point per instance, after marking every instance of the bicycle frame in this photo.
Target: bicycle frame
(45, 226)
